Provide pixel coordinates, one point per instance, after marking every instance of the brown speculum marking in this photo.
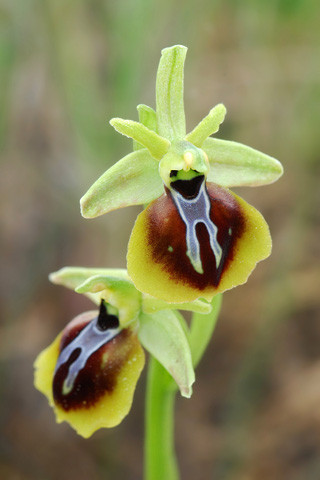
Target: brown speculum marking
(167, 233)
(89, 361)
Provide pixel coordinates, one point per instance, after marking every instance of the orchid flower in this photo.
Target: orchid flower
(196, 238)
(89, 372)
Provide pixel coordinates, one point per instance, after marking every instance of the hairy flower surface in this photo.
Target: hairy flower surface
(196, 238)
(89, 372)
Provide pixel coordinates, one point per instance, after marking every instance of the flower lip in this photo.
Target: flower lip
(79, 379)
(102, 392)
(187, 270)
(161, 233)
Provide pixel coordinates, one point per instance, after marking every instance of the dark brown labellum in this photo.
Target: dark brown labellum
(199, 257)
(89, 361)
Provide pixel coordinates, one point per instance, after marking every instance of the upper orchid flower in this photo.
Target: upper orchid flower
(90, 371)
(196, 238)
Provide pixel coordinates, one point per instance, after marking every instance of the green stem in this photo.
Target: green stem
(160, 460)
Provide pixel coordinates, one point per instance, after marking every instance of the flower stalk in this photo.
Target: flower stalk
(160, 458)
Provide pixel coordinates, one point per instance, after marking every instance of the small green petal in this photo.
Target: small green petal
(208, 126)
(157, 145)
(134, 180)
(169, 93)
(162, 335)
(151, 305)
(118, 292)
(233, 164)
(148, 118)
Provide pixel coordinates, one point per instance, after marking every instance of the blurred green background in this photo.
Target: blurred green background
(67, 67)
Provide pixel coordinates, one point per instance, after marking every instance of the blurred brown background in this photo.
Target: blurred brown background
(67, 67)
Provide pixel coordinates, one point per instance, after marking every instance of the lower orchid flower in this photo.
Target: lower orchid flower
(89, 373)
(196, 238)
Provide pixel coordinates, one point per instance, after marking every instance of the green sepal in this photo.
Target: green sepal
(162, 336)
(152, 304)
(169, 94)
(133, 180)
(72, 277)
(148, 118)
(118, 292)
(157, 145)
(233, 164)
(208, 126)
